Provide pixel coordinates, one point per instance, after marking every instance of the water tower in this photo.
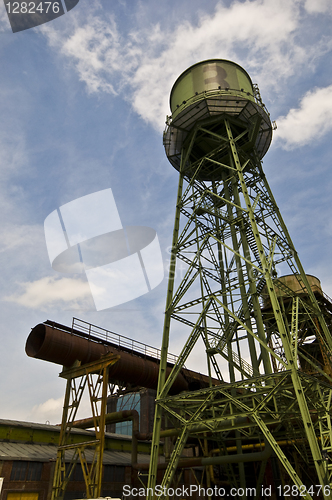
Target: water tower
(261, 324)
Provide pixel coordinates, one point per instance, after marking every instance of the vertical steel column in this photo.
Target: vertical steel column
(256, 331)
(291, 361)
(79, 377)
(152, 479)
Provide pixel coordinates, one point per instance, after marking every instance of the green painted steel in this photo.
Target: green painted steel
(25, 432)
(266, 338)
(207, 76)
(91, 378)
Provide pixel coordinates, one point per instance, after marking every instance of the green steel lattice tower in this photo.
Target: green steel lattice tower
(264, 326)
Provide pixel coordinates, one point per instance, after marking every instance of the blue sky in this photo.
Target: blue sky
(83, 105)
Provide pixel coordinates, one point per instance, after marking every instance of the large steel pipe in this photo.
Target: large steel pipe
(219, 460)
(57, 346)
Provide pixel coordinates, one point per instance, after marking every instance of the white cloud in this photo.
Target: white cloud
(95, 48)
(311, 120)
(14, 154)
(4, 22)
(49, 411)
(51, 291)
(14, 236)
(318, 6)
(143, 65)
(261, 27)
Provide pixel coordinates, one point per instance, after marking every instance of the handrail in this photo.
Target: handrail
(119, 340)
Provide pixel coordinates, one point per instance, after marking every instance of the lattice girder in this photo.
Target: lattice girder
(232, 242)
(93, 379)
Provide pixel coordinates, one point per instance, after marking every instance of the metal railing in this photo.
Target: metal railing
(327, 297)
(118, 340)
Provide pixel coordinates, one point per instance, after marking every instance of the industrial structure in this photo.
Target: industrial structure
(120, 376)
(262, 324)
(28, 453)
(259, 417)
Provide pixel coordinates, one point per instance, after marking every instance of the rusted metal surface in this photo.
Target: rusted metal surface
(52, 344)
(94, 332)
(293, 284)
(60, 347)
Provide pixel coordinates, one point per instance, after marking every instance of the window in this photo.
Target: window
(34, 471)
(26, 471)
(19, 471)
(130, 401)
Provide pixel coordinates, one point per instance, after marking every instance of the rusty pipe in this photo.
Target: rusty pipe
(57, 346)
(119, 416)
(224, 459)
(115, 417)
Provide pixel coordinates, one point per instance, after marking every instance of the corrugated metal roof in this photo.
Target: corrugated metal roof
(44, 453)
(22, 451)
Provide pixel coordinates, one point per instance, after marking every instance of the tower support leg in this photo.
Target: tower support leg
(93, 377)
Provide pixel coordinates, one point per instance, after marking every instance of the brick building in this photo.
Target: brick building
(27, 459)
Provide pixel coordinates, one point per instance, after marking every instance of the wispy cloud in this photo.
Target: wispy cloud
(19, 236)
(318, 6)
(143, 65)
(4, 22)
(49, 411)
(312, 119)
(95, 47)
(51, 291)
